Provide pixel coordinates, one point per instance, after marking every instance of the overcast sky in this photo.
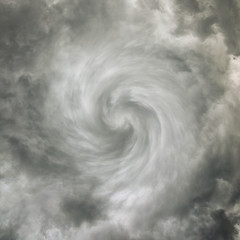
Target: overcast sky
(119, 120)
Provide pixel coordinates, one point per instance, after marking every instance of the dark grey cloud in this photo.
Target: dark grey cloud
(23, 33)
(7, 234)
(222, 227)
(83, 210)
(207, 15)
(192, 6)
(228, 13)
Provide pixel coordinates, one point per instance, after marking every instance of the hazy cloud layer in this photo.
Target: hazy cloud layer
(119, 120)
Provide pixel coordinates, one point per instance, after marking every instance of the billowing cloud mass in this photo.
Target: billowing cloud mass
(119, 120)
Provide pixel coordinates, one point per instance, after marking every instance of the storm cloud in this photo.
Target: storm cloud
(119, 120)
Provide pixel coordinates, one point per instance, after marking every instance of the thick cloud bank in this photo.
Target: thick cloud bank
(119, 120)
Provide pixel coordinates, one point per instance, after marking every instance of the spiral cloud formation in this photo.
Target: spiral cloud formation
(120, 120)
